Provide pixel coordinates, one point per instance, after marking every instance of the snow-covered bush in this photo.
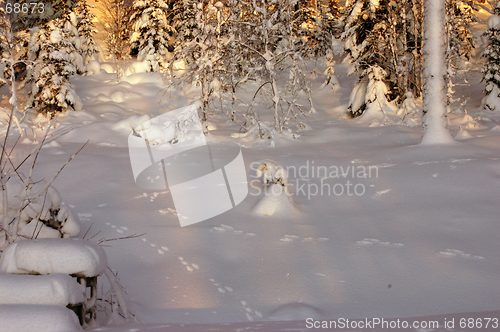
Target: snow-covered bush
(34, 210)
(491, 69)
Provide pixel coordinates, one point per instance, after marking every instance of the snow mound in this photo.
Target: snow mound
(93, 68)
(132, 122)
(118, 96)
(296, 311)
(142, 78)
(53, 289)
(274, 202)
(39, 318)
(45, 256)
(107, 68)
(463, 134)
(136, 67)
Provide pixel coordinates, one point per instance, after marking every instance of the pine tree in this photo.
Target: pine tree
(50, 51)
(491, 69)
(152, 32)
(86, 30)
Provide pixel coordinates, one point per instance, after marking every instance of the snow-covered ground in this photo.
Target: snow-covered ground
(414, 235)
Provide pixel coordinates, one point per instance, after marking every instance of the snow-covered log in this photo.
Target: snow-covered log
(39, 318)
(76, 257)
(52, 289)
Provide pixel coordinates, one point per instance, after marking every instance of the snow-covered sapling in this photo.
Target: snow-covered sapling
(272, 174)
(276, 197)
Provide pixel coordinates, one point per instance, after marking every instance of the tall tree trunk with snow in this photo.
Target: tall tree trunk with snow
(435, 117)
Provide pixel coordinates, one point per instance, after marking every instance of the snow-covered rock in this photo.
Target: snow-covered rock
(52, 289)
(45, 256)
(39, 318)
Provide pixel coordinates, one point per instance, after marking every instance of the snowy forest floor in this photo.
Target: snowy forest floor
(422, 240)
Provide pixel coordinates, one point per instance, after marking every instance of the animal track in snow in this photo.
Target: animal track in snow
(159, 249)
(249, 312)
(368, 242)
(189, 266)
(167, 211)
(85, 216)
(384, 165)
(381, 192)
(118, 229)
(455, 161)
(459, 253)
(152, 196)
(229, 229)
(296, 238)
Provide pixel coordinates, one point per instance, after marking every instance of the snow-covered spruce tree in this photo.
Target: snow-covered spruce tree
(435, 114)
(152, 33)
(272, 53)
(460, 14)
(116, 25)
(86, 29)
(366, 36)
(331, 16)
(51, 51)
(182, 19)
(318, 23)
(491, 69)
(315, 16)
(205, 53)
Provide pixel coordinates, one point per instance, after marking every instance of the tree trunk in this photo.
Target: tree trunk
(435, 117)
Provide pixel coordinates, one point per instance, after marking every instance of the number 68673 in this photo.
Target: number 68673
(25, 8)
